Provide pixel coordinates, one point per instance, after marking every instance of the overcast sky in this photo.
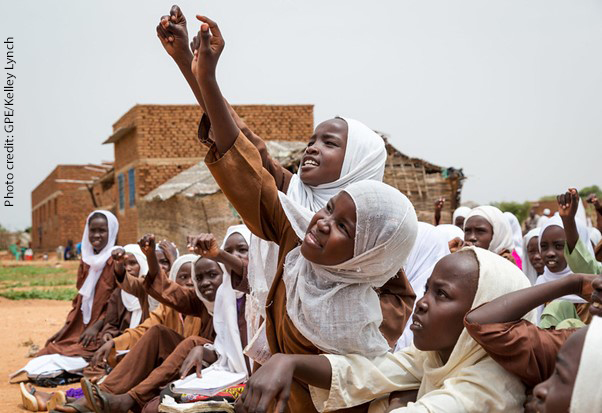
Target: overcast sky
(509, 90)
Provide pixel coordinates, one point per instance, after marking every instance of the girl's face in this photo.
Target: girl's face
(163, 261)
(183, 277)
(552, 248)
(330, 237)
(478, 232)
(554, 394)
(534, 255)
(325, 152)
(438, 317)
(208, 277)
(237, 246)
(596, 307)
(131, 265)
(98, 233)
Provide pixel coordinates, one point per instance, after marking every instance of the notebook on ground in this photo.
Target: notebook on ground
(212, 381)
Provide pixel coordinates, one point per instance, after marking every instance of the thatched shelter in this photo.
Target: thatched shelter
(191, 202)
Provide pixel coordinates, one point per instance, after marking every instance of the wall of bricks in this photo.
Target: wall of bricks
(59, 209)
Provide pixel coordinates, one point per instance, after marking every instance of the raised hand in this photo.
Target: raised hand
(210, 47)
(169, 250)
(568, 203)
(593, 199)
(204, 244)
(147, 244)
(439, 204)
(118, 255)
(102, 354)
(173, 34)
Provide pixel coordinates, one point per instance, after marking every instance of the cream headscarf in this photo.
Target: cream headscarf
(587, 396)
(460, 212)
(517, 233)
(336, 307)
(131, 302)
(96, 262)
(470, 381)
(225, 318)
(429, 248)
(365, 158)
(177, 264)
(450, 231)
(502, 233)
(528, 269)
(209, 305)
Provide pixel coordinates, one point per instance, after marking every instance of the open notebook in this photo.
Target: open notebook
(212, 381)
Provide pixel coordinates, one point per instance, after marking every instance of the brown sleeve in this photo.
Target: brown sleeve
(131, 336)
(396, 303)
(134, 286)
(171, 294)
(281, 175)
(82, 273)
(251, 189)
(112, 321)
(521, 347)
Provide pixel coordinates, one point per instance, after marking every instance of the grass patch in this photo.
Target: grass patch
(61, 294)
(23, 272)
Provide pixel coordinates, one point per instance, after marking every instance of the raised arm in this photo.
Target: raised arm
(513, 306)
(438, 207)
(204, 66)
(568, 203)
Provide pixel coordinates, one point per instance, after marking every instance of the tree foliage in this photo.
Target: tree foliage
(520, 210)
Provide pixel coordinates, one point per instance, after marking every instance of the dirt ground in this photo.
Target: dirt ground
(23, 321)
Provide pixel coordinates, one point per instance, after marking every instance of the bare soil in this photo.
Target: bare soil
(24, 321)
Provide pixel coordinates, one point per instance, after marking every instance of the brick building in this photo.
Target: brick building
(60, 204)
(152, 143)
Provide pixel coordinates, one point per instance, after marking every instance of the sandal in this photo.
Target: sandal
(94, 396)
(28, 398)
(77, 407)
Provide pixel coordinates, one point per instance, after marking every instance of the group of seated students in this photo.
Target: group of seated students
(332, 296)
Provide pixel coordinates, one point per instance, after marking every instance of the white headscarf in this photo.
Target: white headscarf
(177, 264)
(595, 236)
(429, 248)
(502, 233)
(517, 233)
(365, 158)
(225, 318)
(528, 269)
(336, 307)
(587, 396)
(469, 381)
(450, 231)
(96, 262)
(548, 275)
(131, 302)
(460, 212)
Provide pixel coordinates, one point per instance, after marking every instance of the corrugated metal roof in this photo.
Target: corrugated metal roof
(198, 181)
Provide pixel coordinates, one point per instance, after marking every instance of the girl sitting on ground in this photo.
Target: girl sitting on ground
(322, 298)
(444, 371)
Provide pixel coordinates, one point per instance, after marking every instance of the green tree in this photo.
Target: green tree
(520, 210)
(592, 189)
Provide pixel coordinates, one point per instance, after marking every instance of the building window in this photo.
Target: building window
(132, 187)
(121, 188)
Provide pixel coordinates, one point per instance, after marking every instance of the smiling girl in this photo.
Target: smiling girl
(339, 152)
(322, 298)
(95, 282)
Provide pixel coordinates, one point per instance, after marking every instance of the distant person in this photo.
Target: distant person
(531, 221)
(459, 216)
(544, 218)
(69, 253)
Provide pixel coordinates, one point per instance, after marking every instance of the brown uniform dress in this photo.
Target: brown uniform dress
(117, 318)
(396, 295)
(67, 343)
(155, 360)
(521, 347)
(254, 195)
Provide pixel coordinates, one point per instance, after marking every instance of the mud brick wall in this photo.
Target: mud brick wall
(59, 209)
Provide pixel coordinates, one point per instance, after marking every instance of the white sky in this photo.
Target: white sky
(509, 90)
